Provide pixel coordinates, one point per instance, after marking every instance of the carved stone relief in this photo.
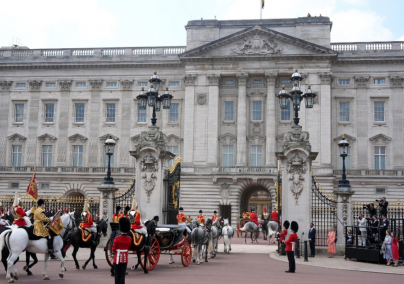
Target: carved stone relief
(296, 167)
(148, 167)
(242, 79)
(361, 82)
(127, 84)
(201, 98)
(189, 80)
(96, 84)
(213, 79)
(105, 209)
(153, 138)
(5, 85)
(225, 190)
(35, 85)
(257, 45)
(326, 78)
(65, 85)
(396, 81)
(297, 138)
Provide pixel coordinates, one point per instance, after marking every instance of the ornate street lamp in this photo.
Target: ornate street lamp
(343, 184)
(110, 144)
(295, 96)
(152, 99)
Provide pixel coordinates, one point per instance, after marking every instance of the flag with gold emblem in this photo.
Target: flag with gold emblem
(56, 225)
(32, 189)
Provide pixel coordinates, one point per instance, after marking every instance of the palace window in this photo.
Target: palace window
(344, 111)
(21, 85)
(80, 85)
(110, 113)
(19, 113)
(174, 150)
(50, 85)
(379, 81)
(49, 112)
(257, 81)
(256, 156)
(142, 84)
(380, 191)
(229, 82)
(15, 185)
(174, 113)
(380, 157)
(79, 117)
(17, 156)
(379, 111)
(285, 113)
(285, 81)
(106, 157)
(46, 156)
(228, 156)
(45, 186)
(174, 84)
(343, 82)
(228, 111)
(77, 156)
(257, 111)
(347, 160)
(112, 84)
(141, 114)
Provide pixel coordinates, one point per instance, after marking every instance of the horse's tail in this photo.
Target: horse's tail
(2, 239)
(210, 248)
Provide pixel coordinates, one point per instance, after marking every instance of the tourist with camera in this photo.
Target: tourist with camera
(374, 225)
(383, 204)
(384, 225)
(371, 209)
(362, 224)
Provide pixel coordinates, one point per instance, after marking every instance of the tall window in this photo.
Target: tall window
(347, 160)
(106, 157)
(285, 113)
(380, 158)
(379, 111)
(49, 110)
(228, 111)
(19, 113)
(174, 150)
(110, 112)
(344, 112)
(174, 115)
(228, 156)
(79, 113)
(46, 156)
(141, 114)
(257, 111)
(77, 156)
(17, 155)
(256, 156)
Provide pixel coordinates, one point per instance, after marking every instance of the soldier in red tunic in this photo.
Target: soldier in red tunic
(215, 216)
(284, 233)
(290, 247)
(88, 222)
(19, 213)
(200, 218)
(274, 216)
(117, 215)
(135, 219)
(182, 219)
(254, 217)
(120, 250)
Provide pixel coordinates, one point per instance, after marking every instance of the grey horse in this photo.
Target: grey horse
(214, 238)
(228, 233)
(268, 228)
(199, 238)
(252, 228)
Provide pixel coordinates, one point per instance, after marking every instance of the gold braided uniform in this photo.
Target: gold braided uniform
(39, 226)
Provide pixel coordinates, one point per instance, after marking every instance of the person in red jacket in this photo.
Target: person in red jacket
(135, 219)
(120, 250)
(290, 247)
(88, 222)
(274, 216)
(254, 217)
(200, 218)
(284, 233)
(19, 213)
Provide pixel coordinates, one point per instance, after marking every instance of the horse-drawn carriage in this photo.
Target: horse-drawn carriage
(166, 239)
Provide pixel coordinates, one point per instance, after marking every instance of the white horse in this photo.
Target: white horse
(228, 233)
(17, 241)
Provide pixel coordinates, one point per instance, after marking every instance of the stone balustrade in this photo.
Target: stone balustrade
(252, 170)
(67, 170)
(354, 173)
(367, 46)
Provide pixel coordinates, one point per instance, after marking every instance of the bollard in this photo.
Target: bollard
(297, 248)
(306, 254)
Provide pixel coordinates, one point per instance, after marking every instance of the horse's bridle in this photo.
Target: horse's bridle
(69, 227)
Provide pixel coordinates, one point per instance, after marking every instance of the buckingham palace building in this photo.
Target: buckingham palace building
(59, 105)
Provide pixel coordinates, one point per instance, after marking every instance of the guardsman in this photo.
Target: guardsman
(274, 216)
(120, 249)
(284, 233)
(39, 225)
(200, 218)
(265, 216)
(117, 215)
(19, 213)
(135, 219)
(88, 222)
(290, 247)
(254, 217)
(126, 212)
(215, 216)
(182, 218)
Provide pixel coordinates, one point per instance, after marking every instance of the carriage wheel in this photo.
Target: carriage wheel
(108, 254)
(186, 255)
(153, 256)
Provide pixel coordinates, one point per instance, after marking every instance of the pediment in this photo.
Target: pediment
(135, 139)
(348, 137)
(228, 139)
(45, 136)
(257, 139)
(173, 138)
(380, 139)
(106, 136)
(77, 136)
(257, 41)
(16, 136)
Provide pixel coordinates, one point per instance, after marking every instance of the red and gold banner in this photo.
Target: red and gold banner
(56, 225)
(32, 189)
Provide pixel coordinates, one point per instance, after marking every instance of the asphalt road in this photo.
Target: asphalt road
(225, 268)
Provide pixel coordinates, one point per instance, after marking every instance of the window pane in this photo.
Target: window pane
(110, 112)
(79, 112)
(46, 156)
(49, 112)
(344, 82)
(50, 85)
(19, 113)
(257, 81)
(228, 82)
(174, 84)
(379, 111)
(141, 114)
(112, 84)
(174, 150)
(344, 111)
(106, 157)
(285, 113)
(17, 155)
(228, 111)
(77, 156)
(21, 85)
(81, 85)
(174, 115)
(257, 111)
(142, 84)
(228, 155)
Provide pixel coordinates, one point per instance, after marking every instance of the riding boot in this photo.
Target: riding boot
(94, 239)
(50, 244)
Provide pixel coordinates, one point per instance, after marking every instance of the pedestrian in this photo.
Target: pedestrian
(383, 204)
(362, 224)
(120, 249)
(349, 237)
(384, 225)
(387, 248)
(312, 240)
(290, 247)
(394, 248)
(331, 243)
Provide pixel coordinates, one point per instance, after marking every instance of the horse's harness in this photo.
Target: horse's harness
(68, 228)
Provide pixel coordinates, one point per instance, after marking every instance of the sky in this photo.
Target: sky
(130, 23)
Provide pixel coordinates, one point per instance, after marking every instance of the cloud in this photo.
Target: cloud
(401, 38)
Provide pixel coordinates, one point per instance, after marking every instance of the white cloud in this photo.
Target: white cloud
(401, 38)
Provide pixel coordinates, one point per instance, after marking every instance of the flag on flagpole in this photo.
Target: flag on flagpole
(32, 189)
(263, 4)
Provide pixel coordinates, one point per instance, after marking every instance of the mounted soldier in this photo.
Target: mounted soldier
(39, 225)
(117, 215)
(214, 216)
(20, 216)
(88, 222)
(275, 216)
(135, 219)
(266, 216)
(182, 219)
(126, 212)
(200, 218)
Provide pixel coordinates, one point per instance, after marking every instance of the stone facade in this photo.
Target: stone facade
(236, 64)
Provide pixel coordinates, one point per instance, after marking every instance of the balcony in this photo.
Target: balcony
(369, 48)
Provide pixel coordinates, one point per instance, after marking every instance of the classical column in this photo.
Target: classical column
(397, 98)
(94, 139)
(33, 123)
(325, 119)
(344, 214)
(4, 117)
(363, 121)
(189, 117)
(271, 121)
(242, 120)
(63, 123)
(127, 104)
(213, 119)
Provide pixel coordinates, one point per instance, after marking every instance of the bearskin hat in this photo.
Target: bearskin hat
(124, 225)
(286, 224)
(117, 208)
(200, 211)
(214, 212)
(156, 218)
(40, 202)
(127, 208)
(181, 209)
(294, 226)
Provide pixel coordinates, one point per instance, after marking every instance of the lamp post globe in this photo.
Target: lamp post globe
(343, 145)
(110, 145)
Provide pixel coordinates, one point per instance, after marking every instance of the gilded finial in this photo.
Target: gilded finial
(343, 136)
